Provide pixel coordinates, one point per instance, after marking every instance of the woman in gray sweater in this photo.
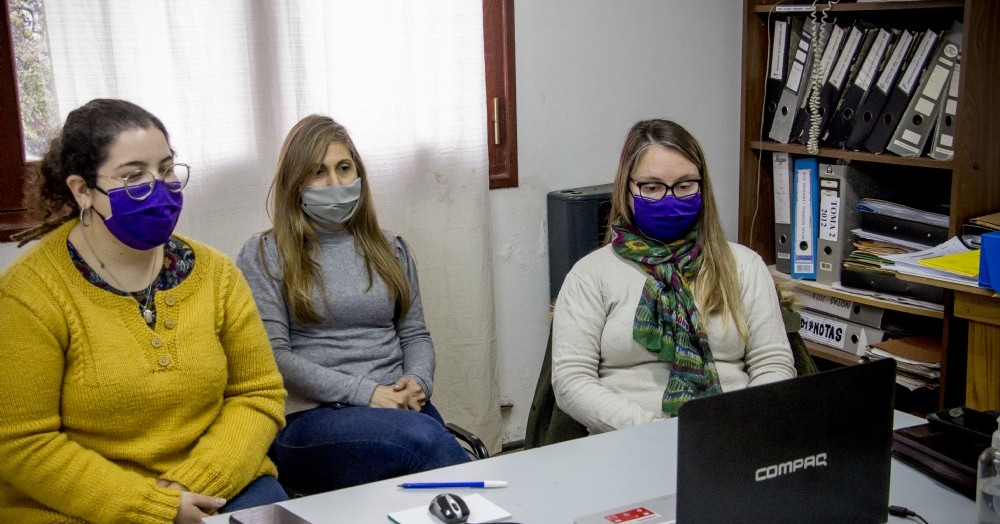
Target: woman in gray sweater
(340, 301)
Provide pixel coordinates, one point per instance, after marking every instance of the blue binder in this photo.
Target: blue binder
(805, 217)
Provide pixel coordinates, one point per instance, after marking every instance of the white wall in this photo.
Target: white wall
(586, 71)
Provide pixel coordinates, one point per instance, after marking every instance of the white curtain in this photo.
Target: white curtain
(229, 78)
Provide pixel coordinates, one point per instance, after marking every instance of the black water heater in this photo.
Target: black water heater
(578, 220)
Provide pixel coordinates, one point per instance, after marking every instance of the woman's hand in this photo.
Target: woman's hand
(194, 506)
(388, 397)
(416, 398)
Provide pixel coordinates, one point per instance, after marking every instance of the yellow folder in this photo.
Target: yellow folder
(965, 263)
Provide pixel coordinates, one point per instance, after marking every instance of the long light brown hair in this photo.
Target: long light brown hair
(295, 234)
(718, 290)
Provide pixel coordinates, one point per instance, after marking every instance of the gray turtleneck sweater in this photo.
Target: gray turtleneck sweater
(359, 344)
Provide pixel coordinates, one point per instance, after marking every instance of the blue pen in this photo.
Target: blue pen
(473, 484)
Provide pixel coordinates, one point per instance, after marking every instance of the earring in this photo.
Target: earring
(82, 221)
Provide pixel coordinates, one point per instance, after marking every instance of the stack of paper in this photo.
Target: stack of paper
(918, 360)
(964, 264)
(888, 297)
(893, 209)
(870, 255)
(911, 263)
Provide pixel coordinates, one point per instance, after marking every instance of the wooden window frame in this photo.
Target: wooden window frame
(13, 168)
(501, 108)
(501, 99)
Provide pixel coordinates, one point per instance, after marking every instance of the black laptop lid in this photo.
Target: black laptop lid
(811, 449)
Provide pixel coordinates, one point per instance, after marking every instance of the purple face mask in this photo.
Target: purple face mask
(667, 219)
(143, 224)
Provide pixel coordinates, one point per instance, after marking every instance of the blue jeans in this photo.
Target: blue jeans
(264, 490)
(333, 446)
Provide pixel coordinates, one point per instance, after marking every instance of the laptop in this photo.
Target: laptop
(811, 449)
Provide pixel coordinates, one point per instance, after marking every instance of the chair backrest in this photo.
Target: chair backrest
(547, 424)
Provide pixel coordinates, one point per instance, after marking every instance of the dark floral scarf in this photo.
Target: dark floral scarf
(667, 320)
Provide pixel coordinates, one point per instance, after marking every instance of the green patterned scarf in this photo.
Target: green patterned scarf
(667, 321)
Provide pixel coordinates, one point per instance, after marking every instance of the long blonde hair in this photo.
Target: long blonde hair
(718, 289)
(295, 234)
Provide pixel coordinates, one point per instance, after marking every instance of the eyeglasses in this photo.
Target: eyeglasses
(139, 184)
(655, 191)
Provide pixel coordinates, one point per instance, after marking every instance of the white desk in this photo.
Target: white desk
(557, 483)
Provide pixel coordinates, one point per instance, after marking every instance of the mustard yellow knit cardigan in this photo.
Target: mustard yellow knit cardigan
(95, 406)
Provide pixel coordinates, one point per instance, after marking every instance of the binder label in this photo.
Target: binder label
(895, 62)
(832, 46)
(804, 260)
(870, 66)
(936, 83)
(917, 62)
(837, 307)
(822, 330)
(924, 107)
(782, 179)
(778, 49)
(846, 57)
(795, 75)
(829, 210)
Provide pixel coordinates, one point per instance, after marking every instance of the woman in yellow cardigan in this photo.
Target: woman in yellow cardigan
(137, 380)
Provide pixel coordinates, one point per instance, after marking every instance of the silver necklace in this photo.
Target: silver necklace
(147, 314)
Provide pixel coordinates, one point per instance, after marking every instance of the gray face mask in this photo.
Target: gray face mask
(331, 206)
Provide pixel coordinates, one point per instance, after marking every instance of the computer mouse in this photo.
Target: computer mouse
(449, 508)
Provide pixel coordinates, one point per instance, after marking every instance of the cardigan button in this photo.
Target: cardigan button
(169, 323)
(170, 300)
(157, 342)
(164, 360)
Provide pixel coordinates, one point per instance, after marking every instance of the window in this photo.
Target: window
(21, 19)
(501, 107)
(12, 165)
(26, 86)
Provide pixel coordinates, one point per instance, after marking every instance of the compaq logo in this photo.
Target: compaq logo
(777, 470)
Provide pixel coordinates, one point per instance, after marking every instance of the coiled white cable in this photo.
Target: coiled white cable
(816, 78)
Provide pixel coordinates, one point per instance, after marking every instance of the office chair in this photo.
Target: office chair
(471, 442)
(547, 424)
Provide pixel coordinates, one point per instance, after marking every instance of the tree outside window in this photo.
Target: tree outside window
(35, 85)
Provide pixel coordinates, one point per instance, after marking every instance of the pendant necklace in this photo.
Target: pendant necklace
(147, 314)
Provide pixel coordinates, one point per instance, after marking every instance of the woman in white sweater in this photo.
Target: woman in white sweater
(668, 309)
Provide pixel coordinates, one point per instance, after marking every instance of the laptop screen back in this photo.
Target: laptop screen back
(811, 449)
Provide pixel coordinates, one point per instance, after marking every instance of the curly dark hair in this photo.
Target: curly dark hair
(80, 149)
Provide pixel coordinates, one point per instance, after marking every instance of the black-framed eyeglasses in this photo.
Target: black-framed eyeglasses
(140, 183)
(655, 191)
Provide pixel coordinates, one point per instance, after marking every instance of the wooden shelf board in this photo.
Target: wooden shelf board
(828, 353)
(974, 290)
(885, 158)
(823, 289)
(873, 6)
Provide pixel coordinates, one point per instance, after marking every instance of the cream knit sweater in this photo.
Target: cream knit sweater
(606, 380)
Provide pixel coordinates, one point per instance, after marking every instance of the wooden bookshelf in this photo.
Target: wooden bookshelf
(823, 289)
(971, 177)
(831, 354)
(869, 6)
(973, 290)
(844, 154)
